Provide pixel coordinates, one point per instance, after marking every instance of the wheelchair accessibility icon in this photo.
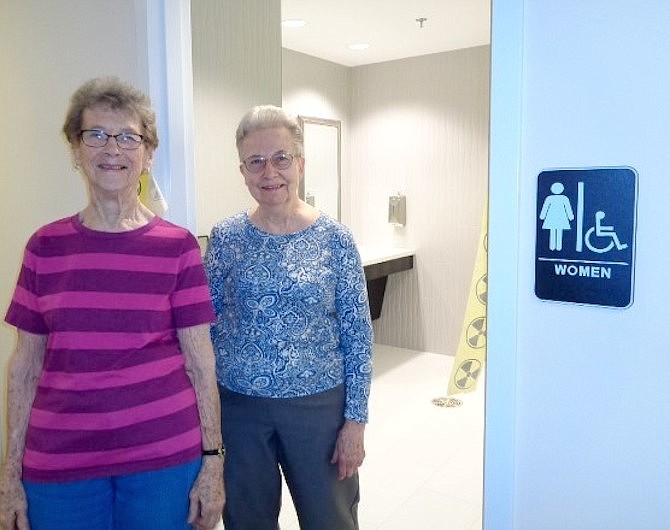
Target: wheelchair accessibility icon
(603, 232)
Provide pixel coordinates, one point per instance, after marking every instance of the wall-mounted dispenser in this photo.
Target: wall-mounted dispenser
(397, 210)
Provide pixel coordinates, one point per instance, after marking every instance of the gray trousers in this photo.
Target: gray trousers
(297, 435)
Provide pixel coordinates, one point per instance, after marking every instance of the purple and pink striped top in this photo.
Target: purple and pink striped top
(113, 397)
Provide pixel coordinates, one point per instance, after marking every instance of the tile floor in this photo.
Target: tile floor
(423, 469)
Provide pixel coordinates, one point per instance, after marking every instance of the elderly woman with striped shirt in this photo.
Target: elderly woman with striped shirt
(113, 407)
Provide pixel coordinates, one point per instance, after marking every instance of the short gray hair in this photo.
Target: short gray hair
(116, 95)
(270, 117)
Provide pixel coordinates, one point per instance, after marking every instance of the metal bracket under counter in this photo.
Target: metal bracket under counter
(377, 266)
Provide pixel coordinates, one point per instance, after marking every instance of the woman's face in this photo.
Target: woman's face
(111, 169)
(271, 186)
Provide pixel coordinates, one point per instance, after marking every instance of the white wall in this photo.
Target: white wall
(236, 64)
(320, 89)
(420, 127)
(588, 430)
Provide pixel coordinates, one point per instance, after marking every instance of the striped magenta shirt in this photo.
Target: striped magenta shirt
(113, 397)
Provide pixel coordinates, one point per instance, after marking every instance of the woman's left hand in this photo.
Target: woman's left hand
(207, 496)
(349, 450)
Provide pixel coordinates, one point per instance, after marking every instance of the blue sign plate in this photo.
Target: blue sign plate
(585, 235)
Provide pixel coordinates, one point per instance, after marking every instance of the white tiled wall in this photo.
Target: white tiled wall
(226, 83)
(418, 126)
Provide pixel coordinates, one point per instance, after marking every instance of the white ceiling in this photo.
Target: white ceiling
(389, 26)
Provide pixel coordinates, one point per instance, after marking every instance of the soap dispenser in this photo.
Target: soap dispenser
(397, 210)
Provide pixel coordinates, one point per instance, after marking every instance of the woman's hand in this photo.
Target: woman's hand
(207, 496)
(349, 451)
(24, 369)
(13, 503)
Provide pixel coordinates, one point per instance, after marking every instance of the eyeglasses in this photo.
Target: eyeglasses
(97, 138)
(256, 163)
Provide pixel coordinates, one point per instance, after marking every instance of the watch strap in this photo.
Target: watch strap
(219, 451)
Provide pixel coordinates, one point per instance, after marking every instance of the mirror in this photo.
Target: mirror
(320, 186)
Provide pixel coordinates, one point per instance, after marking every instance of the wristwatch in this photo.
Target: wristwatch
(220, 452)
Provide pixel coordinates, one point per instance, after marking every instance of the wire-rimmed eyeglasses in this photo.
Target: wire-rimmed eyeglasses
(98, 138)
(257, 163)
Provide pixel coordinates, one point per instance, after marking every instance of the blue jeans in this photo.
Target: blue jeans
(154, 499)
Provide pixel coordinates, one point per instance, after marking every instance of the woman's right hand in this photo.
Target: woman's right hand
(207, 497)
(25, 366)
(13, 503)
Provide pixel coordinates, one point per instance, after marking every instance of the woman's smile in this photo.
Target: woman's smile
(112, 167)
(269, 185)
(109, 168)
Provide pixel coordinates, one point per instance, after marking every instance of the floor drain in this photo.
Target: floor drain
(447, 402)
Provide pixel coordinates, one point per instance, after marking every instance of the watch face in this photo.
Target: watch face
(221, 452)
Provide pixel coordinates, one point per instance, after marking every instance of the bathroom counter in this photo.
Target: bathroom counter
(374, 255)
(378, 263)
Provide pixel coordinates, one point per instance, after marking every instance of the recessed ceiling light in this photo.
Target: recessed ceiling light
(359, 46)
(293, 23)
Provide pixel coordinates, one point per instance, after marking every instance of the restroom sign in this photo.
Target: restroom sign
(585, 235)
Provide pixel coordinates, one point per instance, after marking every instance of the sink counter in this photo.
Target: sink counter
(378, 263)
(374, 255)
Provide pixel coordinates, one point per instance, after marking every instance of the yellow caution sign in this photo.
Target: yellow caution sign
(471, 354)
(150, 194)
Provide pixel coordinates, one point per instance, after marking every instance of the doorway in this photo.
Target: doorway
(412, 126)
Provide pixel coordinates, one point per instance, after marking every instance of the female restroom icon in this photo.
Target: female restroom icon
(556, 214)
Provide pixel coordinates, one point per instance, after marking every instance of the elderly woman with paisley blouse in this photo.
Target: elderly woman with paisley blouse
(293, 341)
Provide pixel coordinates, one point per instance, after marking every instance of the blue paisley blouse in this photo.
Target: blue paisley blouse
(292, 314)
